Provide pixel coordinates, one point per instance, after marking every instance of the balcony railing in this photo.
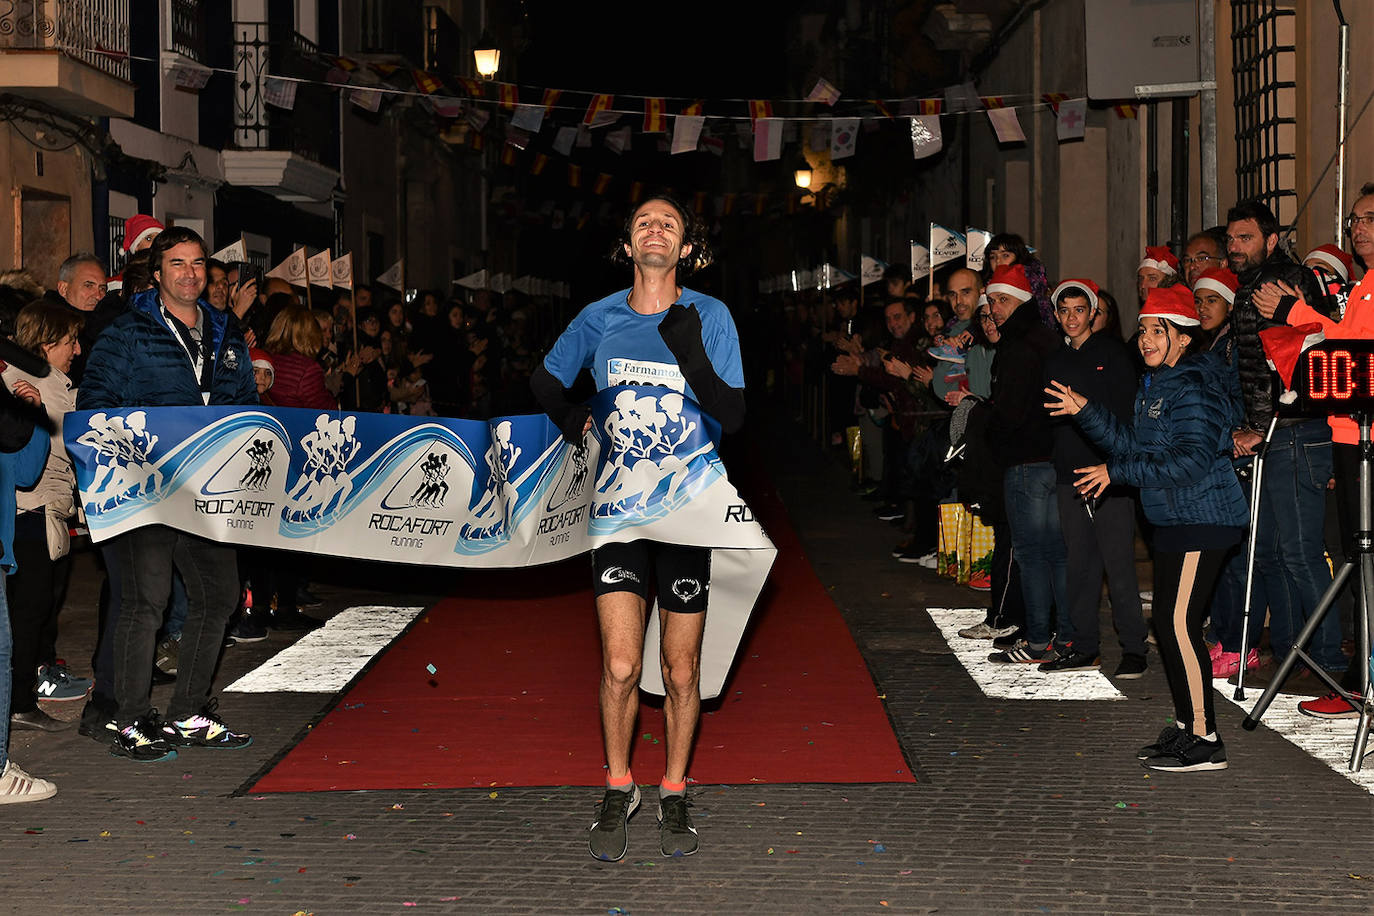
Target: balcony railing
(309, 129)
(188, 29)
(93, 31)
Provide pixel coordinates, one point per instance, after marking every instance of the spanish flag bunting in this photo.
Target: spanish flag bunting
(551, 99)
(574, 175)
(693, 109)
(636, 191)
(383, 69)
(477, 141)
(1125, 110)
(343, 63)
(473, 86)
(600, 103)
(424, 82)
(993, 101)
(655, 121)
(1053, 99)
(760, 108)
(603, 181)
(881, 106)
(537, 166)
(929, 106)
(507, 154)
(510, 96)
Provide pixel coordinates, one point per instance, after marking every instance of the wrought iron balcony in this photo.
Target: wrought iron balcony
(93, 31)
(188, 29)
(311, 127)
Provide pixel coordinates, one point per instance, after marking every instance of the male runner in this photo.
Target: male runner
(654, 333)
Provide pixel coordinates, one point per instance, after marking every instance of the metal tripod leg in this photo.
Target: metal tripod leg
(1362, 650)
(1250, 557)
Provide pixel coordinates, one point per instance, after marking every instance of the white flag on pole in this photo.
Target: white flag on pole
(976, 244)
(475, 280)
(395, 276)
(292, 270)
(920, 261)
(229, 254)
(319, 268)
(870, 270)
(342, 270)
(945, 245)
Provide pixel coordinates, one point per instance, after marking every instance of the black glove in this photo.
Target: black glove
(681, 331)
(574, 423)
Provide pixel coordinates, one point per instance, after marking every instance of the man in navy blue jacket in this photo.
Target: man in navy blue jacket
(170, 350)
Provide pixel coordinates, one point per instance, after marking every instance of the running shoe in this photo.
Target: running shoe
(1069, 660)
(1131, 668)
(165, 658)
(1022, 653)
(947, 353)
(610, 832)
(143, 740)
(98, 719)
(248, 629)
(1166, 740)
(1331, 706)
(985, 630)
(17, 787)
(55, 682)
(676, 835)
(1189, 754)
(204, 729)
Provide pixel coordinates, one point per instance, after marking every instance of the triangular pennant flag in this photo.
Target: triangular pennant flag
(237, 252)
(394, 276)
(767, 139)
(292, 270)
(920, 261)
(655, 120)
(824, 91)
(1071, 119)
(686, 133)
(925, 136)
(341, 270)
(563, 140)
(476, 280)
(528, 118)
(870, 269)
(844, 134)
(1006, 126)
(618, 140)
(599, 106)
(500, 283)
(279, 93)
(319, 269)
(945, 245)
(975, 244)
(1284, 346)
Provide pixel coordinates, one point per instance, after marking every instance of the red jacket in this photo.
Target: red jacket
(1357, 323)
(298, 381)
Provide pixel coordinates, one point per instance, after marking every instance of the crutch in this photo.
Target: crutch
(1250, 556)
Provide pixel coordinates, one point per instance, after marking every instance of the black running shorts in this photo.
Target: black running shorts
(682, 574)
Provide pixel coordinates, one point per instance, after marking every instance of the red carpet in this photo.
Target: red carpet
(513, 700)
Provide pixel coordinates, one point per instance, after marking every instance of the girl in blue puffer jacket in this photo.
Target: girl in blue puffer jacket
(1178, 452)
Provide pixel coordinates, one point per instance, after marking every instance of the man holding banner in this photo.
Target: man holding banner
(172, 349)
(656, 333)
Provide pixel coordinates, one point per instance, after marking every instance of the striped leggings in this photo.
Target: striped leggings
(1183, 584)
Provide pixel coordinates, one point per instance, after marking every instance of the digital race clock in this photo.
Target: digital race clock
(1336, 377)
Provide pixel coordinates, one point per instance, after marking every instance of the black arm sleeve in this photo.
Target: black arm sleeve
(553, 398)
(681, 331)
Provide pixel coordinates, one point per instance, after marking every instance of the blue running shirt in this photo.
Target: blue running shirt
(622, 347)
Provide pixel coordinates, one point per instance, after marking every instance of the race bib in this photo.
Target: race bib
(620, 371)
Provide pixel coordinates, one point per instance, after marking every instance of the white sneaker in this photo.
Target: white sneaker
(1147, 596)
(986, 631)
(17, 787)
(930, 560)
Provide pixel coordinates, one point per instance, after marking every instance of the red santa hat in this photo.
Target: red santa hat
(261, 359)
(1010, 280)
(1333, 257)
(139, 227)
(1172, 303)
(1086, 287)
(1160, 258)
(1219, 280)
(1284, 346)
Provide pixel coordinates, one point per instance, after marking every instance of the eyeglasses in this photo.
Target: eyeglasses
(1352, 221)
(984, 316)
(1200, 259)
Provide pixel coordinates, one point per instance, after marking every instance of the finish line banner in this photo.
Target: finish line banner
(436, 492)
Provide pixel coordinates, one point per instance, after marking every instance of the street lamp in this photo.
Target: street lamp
(801, 171)
(487, 56)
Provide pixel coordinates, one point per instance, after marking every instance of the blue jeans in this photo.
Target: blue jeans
(6, 676)
(1038, 544)
(1290, 548)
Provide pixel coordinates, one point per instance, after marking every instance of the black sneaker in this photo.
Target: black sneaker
(676, 835)
(143, 740)
(204, 729)
(1167, 738)
(98, 719)
(1023, 653)
(610, 832)
(1132, 667)
(248, 629)
(1008, 640)
(1068, 660)
(1189, 754)
(889, 512)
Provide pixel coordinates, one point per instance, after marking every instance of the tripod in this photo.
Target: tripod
(1362, 557)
